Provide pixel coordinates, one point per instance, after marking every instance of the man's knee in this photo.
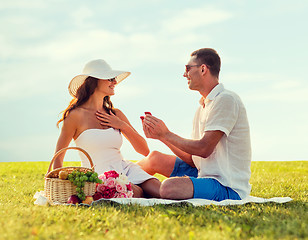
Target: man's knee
(168, 189)
(177, 188)
(153, 160)
(155, 155)
(151, 163)
(157, 162)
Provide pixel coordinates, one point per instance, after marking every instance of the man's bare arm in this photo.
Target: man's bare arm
(156, 128)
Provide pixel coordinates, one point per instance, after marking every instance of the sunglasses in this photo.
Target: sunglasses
(188, 67)
(111, 80)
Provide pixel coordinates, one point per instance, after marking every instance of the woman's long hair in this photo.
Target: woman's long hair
(82, 96)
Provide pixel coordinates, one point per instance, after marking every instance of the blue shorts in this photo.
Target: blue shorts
(206, 188)
(182, 169)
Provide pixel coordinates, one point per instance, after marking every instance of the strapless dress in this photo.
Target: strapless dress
(103, 146)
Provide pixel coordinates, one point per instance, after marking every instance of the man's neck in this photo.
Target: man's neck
(206, 91)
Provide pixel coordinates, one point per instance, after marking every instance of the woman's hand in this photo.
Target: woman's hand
(110, 120)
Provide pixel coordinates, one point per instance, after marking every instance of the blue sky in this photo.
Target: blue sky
(262, 44)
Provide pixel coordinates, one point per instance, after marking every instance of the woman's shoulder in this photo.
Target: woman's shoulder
(118, 112)
(74, 115)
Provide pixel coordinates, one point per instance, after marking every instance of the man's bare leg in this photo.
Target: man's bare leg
(177, 188)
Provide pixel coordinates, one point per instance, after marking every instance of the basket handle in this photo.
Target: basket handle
(65, 149)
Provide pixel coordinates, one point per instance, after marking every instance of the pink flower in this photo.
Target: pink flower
(113, 186)
(102, 177)
(110, 182)
(112, 174)
(97, 196)
(109, 192)
(120, 195)
(100, 188)
(121, 188)
(130, 194)
(129, 187)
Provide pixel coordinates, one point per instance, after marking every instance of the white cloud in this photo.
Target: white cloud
(288, 85)
(80, 16)
(75, 46)
(298, 95)
(32, 77)
(285, 8)
(12, 4)
(244, 77)
(12, 89)
(128, 91)
(268, 86)
(187, 20)
(29, 148)
(88, 40)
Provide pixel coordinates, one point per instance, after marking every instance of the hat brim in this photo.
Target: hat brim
(77, 81)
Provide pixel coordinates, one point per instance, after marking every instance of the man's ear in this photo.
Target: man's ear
(203, 68)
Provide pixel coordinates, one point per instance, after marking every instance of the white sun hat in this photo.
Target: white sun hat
(99, 69)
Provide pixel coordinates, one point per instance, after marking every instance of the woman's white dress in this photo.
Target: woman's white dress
(103, 146)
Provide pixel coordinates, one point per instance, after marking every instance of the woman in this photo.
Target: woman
(96, 126)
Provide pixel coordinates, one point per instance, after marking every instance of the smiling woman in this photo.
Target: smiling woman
(84, 92)
(97, 127)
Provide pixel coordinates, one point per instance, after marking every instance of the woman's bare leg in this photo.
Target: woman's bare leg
(151, 188)
(138, 192)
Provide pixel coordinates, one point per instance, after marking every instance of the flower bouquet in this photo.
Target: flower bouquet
(113, 185)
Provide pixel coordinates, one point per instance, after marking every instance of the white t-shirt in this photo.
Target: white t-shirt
(231, 159)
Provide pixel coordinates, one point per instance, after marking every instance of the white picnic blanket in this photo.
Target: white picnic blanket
(42, 200)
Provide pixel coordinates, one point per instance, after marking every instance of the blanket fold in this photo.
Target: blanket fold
(42, 200)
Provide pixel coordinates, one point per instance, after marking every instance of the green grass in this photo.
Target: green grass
(21, 219)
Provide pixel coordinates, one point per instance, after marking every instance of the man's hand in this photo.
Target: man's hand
(154, 127)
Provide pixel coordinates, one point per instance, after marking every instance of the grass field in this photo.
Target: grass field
(21, 219)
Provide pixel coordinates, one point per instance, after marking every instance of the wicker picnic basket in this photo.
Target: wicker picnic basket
(58, 190)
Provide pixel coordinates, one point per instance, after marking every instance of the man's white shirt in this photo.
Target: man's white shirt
(231, 159)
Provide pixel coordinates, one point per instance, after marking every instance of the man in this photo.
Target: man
(215, 163)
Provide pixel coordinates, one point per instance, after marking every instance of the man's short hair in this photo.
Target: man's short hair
(210, 58)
